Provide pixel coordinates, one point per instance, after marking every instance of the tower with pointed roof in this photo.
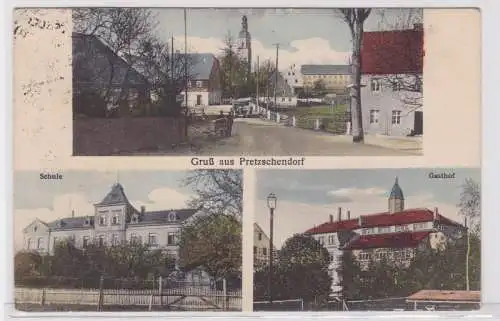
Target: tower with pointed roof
(245, 44)
(396, 198)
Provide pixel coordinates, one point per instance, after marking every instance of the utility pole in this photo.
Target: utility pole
(185, 62)
(257, 81)
(467, 285)
(172, 82)
(276, 76)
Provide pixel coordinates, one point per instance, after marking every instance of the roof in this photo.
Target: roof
(388, 240)
(392, 52)
(163, 217)
(68, 223)
(396, 191)
(409, 216)
(325, 70)
(442, 295)
(201, 65)
(88, 67)
(115, 196)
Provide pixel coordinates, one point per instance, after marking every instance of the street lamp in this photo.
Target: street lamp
(271, 204)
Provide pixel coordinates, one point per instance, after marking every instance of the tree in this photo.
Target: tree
(319, 87)
(27, 264)
(301, 272)
(355, 19)
(124, 31)
(408, 84)
(216, 190)
(350, 273)
(234, 70)
(212, 242)
(470, 200)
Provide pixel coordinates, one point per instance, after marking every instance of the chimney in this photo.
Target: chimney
(360, 221)
(72, 213)
(339, 215)
(348, 215)
(177, 52)
(143, 209)
(418, 26)
(436, 213)
(331, 218)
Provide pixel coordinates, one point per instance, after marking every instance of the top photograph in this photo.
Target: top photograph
(259, 82)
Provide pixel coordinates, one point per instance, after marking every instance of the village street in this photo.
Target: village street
(258, 137)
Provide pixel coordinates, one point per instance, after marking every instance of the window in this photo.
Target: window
(29, 244)
(283, 99)
(39, 243)
(396, 86)
(114, 240)
(401, 228)
(264, 251)
(375, 85)
(396, 117)
(290, 99)
(102, 240)
(331, 239)
(134, 239)
(153, 239)
(171, 238)
(35, 228)
(116, 220)
(102, 220)
(87, 221)
(364, 256)
(259, 236)
(385, 229)
(199, 84)
(419, 226)
(189, 83)
(85, 242)
(332, 257)
(321, 240)
(374, 116)
(296, 80)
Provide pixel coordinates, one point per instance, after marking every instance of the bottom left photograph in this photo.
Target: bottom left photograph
(128, 240)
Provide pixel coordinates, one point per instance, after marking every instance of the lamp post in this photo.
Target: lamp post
(271, 204)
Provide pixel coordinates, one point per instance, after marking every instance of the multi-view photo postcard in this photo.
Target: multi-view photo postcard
(168, 229)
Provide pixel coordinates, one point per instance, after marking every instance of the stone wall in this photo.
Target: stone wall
(114, 136)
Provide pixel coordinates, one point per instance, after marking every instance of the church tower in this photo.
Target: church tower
(245, 45)
(396, 199)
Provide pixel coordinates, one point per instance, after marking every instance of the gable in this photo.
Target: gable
(36, 226)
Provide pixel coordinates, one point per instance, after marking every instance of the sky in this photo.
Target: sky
(306, 36)
(49, 200)
(306, 198)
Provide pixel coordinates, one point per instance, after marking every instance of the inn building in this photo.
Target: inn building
(394, 235)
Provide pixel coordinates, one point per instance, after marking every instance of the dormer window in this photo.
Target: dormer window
(172, 216)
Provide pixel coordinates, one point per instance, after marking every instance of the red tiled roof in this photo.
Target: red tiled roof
(440, 295)
(408, 216)
(389, 240)
(392, 52)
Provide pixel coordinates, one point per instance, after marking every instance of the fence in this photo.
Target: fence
(279, 305)
(156, 295)
(337, 124)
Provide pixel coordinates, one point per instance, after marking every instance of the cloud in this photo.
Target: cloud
(350, 195)
(162, 199)
(304, 51)
(296, 217)
(62, 205)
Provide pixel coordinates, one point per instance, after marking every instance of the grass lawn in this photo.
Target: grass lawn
(332, 121)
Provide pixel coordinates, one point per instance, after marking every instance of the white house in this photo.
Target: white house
(114, 221)
(391, 92)
(204, 86)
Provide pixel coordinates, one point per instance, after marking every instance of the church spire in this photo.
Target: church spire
(396, 198)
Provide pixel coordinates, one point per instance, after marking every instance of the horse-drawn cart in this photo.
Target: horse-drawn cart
(222, 126)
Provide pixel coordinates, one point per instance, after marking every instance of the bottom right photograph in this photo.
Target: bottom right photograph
(398, 239)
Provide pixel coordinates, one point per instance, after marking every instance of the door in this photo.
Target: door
(419, 123)
(198, 100)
